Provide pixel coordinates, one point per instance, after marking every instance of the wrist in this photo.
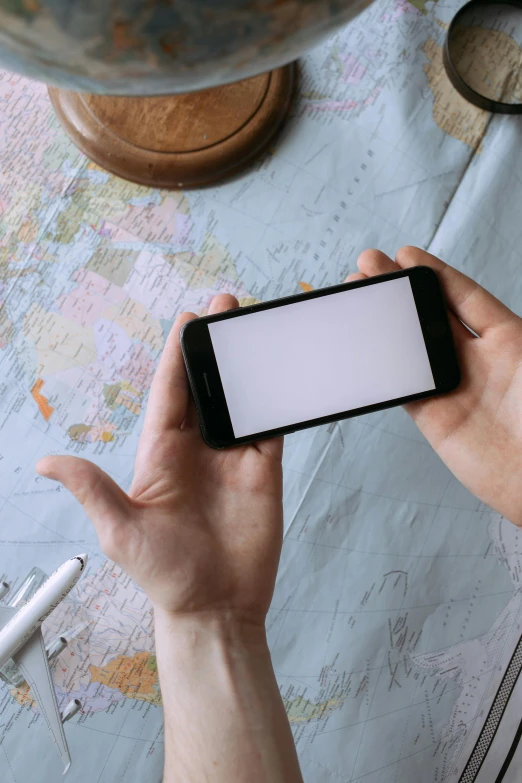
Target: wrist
(228, 629)
(224, 717)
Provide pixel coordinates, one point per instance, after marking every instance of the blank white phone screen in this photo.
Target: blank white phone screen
(321, 356)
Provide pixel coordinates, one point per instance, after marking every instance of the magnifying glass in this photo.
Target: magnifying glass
(483, 54)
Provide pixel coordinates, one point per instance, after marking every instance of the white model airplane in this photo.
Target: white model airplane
(21, 641)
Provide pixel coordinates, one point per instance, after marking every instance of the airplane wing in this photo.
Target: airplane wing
(32, 660)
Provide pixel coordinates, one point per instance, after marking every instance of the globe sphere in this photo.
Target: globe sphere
(154, 47)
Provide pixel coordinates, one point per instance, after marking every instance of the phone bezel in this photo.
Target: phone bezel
(205, 380)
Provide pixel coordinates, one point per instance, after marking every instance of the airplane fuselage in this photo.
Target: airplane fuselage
(30, 616)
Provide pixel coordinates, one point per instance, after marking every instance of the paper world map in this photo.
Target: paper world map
(398, 601)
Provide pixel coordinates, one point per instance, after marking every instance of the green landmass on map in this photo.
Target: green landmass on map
(79, 431)
(420, 5)
(111, 392)
(302, 710)
(20, 8)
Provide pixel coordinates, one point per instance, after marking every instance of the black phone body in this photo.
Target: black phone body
(273, 368)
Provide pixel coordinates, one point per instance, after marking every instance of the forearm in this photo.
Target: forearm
(224, 717)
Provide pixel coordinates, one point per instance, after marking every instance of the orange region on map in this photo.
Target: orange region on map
(306, 286)
(42, 402)
(136, 677)
(24, 696)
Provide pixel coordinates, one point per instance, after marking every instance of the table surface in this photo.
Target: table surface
(397, 588)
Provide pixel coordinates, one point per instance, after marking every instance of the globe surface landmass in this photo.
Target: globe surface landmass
(153, 47)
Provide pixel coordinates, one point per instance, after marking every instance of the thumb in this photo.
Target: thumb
(104, 501)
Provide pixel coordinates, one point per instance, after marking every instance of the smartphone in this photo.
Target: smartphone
(280, 366)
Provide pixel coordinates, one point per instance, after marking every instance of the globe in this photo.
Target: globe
(155, 47)
(167, 93)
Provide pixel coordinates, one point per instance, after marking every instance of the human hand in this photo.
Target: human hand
(200, 530)
(477, 429)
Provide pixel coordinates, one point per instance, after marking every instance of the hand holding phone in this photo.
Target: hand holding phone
(476, 430)
(306, 360)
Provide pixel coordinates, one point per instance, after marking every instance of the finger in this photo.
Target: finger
(219, 304)
(222, 302)
(354, 276)
(272, 448)
(105, 503)
(169, 393)
(475, 306)
(374, 262)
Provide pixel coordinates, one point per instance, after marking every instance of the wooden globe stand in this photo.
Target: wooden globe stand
(178, 141)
